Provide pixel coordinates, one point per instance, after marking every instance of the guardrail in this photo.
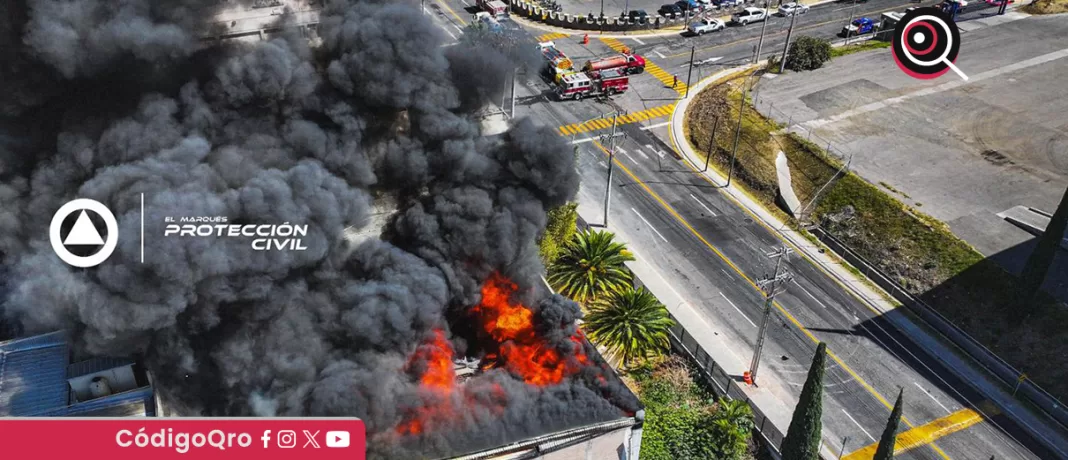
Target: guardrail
(1009, 375)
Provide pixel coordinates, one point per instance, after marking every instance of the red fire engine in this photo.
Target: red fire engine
(604, 83)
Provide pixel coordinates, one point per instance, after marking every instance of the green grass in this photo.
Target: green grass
(1047, 7)
(916, 250)
(840, 51)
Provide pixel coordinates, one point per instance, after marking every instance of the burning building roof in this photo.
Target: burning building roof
(110, 102)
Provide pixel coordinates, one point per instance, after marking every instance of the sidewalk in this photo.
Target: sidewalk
(873, 298)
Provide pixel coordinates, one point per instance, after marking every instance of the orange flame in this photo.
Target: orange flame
(439, 377)
(511, 325)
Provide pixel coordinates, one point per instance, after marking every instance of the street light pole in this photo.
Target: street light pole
(689, 73)
(737, 132)
(851, 11)
(760, 43)
(786, 47)
(771, 287)
(711, 143)
(611, 163)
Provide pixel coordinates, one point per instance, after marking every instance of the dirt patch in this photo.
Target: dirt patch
(1047, 7)
(995, 157)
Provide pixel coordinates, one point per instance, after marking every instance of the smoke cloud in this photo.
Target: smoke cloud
(111, 101)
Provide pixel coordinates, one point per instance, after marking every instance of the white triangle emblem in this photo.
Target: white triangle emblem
(83, 233)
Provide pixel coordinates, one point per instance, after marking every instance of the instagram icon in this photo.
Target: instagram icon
(287, 439)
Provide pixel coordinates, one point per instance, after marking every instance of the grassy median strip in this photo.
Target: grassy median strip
(914, 249)
(840, 51)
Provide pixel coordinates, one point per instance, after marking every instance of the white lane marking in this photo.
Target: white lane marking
(658, 54)
(650, 225)
(465, 2)
(637, 40)
(703, 205)
(603, 164)
(933, 398)
(458, 29)
(858, 424)
(810, 295)
(646, 128)
(658, 152)
(738, 309)
(624, 152)
(843, 8)
(640, 152)
(583, 141)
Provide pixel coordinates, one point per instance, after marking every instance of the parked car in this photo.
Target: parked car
(638, 16)
(669, 10)
(688, 5)
(961, 5)
(792, 8)
(859, 26)
(705, 25)
(999, 2)
(707, 4)
(749, 15)
(730, 3)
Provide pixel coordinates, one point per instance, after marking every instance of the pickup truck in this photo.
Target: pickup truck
(749, 15)
(705, 25)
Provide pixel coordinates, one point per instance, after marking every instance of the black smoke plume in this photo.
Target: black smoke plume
(111, 100)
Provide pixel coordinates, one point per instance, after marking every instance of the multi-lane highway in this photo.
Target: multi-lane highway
(705, 250)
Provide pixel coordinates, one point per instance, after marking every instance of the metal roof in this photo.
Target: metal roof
(133, 403)
(33, 374)
(90, 366)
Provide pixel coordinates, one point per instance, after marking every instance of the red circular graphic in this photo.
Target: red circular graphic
(934, 37)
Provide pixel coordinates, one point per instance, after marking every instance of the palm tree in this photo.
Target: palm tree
(731, 424)
(631, 324)
(591, 266)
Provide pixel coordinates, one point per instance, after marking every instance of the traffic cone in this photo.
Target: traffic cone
(585, 39)
(748, 378)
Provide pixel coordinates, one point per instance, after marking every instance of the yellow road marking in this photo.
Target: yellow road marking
(605, 123)
(453, 13)
(650, 67)
(552, 36)
(745, 277)
(928, 433)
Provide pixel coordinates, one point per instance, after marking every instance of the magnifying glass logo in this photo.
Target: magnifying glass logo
(926, 42)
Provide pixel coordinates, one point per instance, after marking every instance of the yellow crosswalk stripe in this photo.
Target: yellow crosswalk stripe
(930, 432)
(605, 123)
(552, 36)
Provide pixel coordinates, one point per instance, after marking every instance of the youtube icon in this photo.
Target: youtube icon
(337, 439)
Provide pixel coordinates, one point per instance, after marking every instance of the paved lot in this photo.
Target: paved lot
(965, 151)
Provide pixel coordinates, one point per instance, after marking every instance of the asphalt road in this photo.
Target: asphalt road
(708, 250)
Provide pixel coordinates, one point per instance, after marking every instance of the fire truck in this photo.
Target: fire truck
(578, 85)
(629, 63)
(559, 63)
(495, 7)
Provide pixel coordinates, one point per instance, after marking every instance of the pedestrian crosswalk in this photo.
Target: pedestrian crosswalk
(605, 123)
(656, 71)
(552, 36)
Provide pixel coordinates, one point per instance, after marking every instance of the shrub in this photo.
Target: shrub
(808, 53)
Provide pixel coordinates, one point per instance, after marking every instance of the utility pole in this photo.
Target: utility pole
(771, 286)
(786, 47)
(851, 11)
(737, 132)
(611, 163)
(514, 77)
(711, 143)
(760, 43)
(689, 73)
(844, 441)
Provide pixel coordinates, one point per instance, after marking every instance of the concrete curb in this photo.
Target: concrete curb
(874, 298)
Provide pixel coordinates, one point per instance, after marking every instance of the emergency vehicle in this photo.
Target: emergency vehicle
(559, 63)
(578, 85)
(495, 7)
(628, 63)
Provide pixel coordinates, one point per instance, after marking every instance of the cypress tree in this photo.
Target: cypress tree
(885, 451)
(806, 428)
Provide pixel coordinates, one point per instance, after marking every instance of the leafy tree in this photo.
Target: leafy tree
(1034, 273)
(885, 451)
(591, 266)
(808, 53)
(803, 437)
(732, 425)
(631, 324)
(560, 229)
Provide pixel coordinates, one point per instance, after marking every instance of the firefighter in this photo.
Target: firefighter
(585, 39)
